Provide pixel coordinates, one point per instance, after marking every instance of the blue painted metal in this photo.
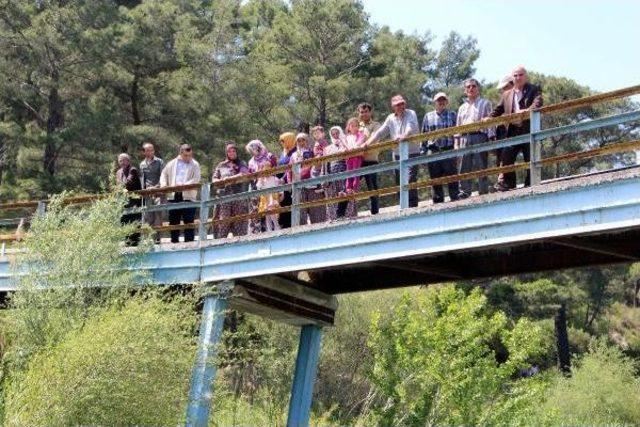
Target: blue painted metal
(535, 168)
(304, 376)
(295, 195)
(539, 214)
(204, 368)
(587, 125)
(204, 212)
(404, 174)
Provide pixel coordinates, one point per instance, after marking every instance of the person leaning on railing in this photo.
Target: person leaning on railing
(288, 144)
(400, 125)
(368, 126)
(182, 170)
(259, 156)
(501, 130)
(334, 188)
(522, 97)
(151, 169)
(231, 167)
(309, 193)
(129, 177)
(473, 110)
(440, 118)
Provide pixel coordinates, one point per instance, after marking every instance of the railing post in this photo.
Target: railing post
(204, 211)
(204, 368)
(42, 207)
(295, 195)
(535, 170)
(404, 174)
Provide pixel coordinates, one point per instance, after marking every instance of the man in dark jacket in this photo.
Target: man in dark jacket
(129, 177)
(523, 96)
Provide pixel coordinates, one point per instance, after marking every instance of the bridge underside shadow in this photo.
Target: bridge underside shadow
(544, 255)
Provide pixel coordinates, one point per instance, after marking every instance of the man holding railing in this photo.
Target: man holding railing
(182, 170)
(440, 118)
(522, 97)
(473, 110)
(400, 125)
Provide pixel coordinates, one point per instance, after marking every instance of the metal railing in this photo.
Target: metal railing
(207, 202)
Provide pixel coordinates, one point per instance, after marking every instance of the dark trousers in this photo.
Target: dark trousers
(186, 215)
(372, 184)
(413, 177)
(342, 208)
(134, 238)
(508, 157)
(285, 217)
(446, 167)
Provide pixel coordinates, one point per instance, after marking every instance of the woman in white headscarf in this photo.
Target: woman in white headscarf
(337, 188)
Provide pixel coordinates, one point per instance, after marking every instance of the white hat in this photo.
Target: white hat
(506, 80)
(440, 95)
(397, 100)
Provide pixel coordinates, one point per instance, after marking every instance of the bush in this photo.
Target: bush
(602, 390)
(128, 366)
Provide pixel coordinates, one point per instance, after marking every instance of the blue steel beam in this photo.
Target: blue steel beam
(304, 376)
(204, 368)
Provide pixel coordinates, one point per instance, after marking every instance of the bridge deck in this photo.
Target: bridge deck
(580, 221)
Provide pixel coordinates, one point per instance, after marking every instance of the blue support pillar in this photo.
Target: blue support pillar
(204, 368)
(305, 375)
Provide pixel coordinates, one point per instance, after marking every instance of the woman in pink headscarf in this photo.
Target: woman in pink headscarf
(259, 156)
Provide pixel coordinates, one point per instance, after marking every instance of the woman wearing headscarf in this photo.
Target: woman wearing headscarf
(309, 193)
(259, 156)
(288, 144)
(335, 188)
(231, 167)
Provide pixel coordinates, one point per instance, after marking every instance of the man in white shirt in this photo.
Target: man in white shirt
(473, 110)
(400, 125)
(182, 170)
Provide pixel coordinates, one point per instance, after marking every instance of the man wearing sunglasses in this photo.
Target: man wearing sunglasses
(524, 96)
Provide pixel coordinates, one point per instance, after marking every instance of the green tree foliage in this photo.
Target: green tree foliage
(436, 360)
(125, 366)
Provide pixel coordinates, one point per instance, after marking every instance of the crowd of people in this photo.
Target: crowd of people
(517, 95)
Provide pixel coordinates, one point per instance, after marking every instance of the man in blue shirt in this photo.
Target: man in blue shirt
(440, 118)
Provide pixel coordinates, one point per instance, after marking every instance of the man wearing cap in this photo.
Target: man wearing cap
(400, 125)
(473, 110)
(440, 118)
(522, 97)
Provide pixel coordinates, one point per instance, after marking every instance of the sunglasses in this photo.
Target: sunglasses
(518, 75)
(470, 86)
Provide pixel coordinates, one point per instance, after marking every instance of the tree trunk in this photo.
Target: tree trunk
(54, 122)
(562, 340)
(135, 109)
(323, 110)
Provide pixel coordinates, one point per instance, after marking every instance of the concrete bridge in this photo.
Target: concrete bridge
(293, 275)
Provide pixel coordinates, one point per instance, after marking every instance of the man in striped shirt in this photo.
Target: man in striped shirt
(440, 118)
(473, 110)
